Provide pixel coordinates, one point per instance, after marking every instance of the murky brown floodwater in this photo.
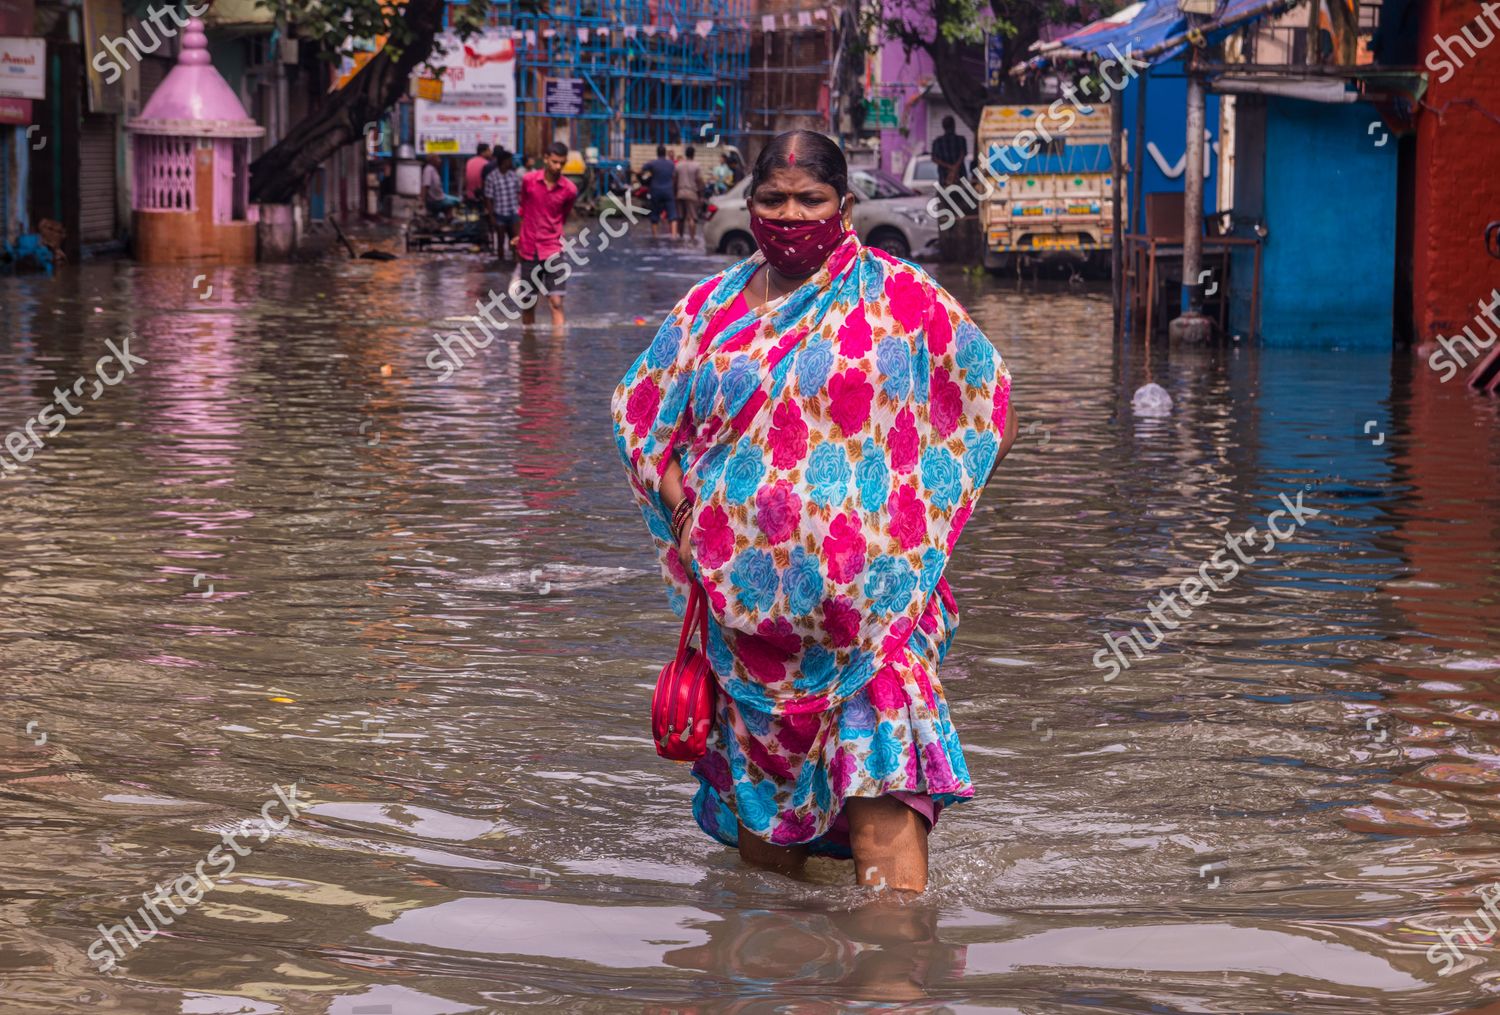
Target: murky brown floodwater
(432, 604)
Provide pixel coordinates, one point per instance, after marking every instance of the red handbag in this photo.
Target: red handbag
(682, 706)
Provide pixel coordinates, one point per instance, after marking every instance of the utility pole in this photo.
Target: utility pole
(1191, 325)
(1116, 172)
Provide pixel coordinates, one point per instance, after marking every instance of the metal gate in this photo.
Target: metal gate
(96, 179)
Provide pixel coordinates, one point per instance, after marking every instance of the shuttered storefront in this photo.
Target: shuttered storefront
(153, 70)
(96, 179)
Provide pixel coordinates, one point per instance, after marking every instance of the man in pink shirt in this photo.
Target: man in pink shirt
(474, 171)
(546, 200)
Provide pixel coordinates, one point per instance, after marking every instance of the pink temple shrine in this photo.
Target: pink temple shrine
(192, 168)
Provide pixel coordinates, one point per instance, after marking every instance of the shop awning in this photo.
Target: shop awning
(1152, 31)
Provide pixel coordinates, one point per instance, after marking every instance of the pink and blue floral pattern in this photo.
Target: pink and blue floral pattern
(833, 444)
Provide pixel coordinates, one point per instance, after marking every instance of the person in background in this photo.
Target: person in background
(484, 201)
(661, 181)
(948, 153)
(502, 196)
(492, 165)
(689, 179)
(546, 200)
(437, 200)
(723, 175)
(474, 172)
(387, 170)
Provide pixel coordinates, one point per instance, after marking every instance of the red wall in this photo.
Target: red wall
(1457, 174)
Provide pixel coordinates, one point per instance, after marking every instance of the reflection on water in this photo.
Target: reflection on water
(283, 550)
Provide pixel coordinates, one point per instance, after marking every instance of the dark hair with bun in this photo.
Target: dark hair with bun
(814, 152)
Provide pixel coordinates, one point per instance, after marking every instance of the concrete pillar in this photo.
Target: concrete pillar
(275, 232)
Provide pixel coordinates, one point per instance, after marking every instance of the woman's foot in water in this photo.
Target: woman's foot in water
(889, 842)
(781, 859)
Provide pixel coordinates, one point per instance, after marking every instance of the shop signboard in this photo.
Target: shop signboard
(23, 68)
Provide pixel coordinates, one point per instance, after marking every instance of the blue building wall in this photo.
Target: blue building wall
(1329, 207)
(15, 185)
(1166, 116)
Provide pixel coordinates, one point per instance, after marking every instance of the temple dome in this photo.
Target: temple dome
(194, 100)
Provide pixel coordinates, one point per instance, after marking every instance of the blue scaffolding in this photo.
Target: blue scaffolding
(654, 71)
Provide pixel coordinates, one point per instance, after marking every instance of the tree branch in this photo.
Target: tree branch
(282, 171)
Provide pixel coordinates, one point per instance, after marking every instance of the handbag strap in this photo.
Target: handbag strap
(695, 600)
(697, 609)
(702, 617)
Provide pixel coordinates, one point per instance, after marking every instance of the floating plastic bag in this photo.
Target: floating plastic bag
(1151, 400)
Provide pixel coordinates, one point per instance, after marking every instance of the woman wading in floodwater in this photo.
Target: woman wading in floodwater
(830, 415)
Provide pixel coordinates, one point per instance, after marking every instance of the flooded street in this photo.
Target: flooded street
(285, 550)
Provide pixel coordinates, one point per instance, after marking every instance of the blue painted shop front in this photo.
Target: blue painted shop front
(1325, 192)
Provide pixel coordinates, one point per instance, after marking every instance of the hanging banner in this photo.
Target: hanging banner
(103, 22)
(478, 96)
(994, 61)
(451, 128)
(484, 66)
(352, 63)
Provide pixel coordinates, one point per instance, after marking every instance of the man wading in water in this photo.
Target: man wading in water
(546, 200)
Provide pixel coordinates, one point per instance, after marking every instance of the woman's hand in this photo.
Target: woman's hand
(685, 549)
(672, 494)
(1007, 438)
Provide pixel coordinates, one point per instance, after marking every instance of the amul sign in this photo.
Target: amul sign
(23, 68)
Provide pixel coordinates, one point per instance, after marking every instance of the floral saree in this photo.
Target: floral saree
(833, 444)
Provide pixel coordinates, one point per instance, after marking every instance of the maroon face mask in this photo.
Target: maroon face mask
(797, 248)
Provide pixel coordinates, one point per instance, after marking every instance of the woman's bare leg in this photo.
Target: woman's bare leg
(760, 853)
(889, 842)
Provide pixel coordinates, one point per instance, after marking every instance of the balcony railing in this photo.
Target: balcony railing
(1288, 41)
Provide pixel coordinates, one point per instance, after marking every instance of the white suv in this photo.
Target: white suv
(921, 174)
(887, 214)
